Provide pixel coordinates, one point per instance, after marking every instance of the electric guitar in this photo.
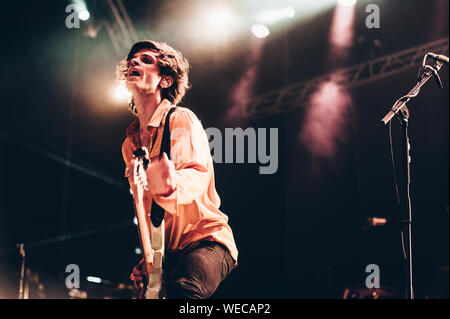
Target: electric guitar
(151, 237)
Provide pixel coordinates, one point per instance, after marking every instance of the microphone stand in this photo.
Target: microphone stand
(425, 73)
(22, 271)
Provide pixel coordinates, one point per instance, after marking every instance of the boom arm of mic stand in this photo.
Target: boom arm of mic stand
(431, 71)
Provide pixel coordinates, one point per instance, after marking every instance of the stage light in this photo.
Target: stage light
(82, 10)
(272, 16)
(347, 3)
(260, 31)
(220, 18)
(290, 12)
(94, 279)
(214, 24)
(342, 29)
(84, 15)
(121, 93)
(275, 15)
(135, 221)
(138, 251)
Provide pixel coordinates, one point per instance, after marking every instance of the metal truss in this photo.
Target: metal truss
(119, 27)
(296, 95)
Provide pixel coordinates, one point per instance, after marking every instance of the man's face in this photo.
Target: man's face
(143, 72)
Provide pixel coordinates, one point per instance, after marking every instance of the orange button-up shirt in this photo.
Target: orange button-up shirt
(192, 210)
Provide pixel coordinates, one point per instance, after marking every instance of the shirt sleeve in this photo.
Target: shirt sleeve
(192, 158)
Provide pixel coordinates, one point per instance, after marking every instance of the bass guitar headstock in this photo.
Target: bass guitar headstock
(140, 165)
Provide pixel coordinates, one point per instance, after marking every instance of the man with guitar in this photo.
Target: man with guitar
(171, 175)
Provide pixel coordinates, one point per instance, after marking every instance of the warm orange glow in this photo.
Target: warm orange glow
(377, 221)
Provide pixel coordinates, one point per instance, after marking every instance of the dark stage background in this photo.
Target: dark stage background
(301, 232)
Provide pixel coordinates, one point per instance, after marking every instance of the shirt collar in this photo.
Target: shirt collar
(155, 121)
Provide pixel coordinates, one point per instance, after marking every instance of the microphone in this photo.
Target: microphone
(439, 57)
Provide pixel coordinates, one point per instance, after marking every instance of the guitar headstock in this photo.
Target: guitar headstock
(140, 165)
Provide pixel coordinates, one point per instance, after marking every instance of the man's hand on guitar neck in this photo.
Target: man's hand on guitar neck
(139, 277)
(138, 274)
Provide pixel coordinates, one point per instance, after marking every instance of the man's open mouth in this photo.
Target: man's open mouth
(134, 72)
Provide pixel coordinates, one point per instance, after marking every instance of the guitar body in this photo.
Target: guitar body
(154, 285)
(151, 237)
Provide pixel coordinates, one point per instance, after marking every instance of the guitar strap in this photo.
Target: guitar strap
(157, 214)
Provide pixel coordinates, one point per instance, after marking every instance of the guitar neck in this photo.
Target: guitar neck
(144, 233)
